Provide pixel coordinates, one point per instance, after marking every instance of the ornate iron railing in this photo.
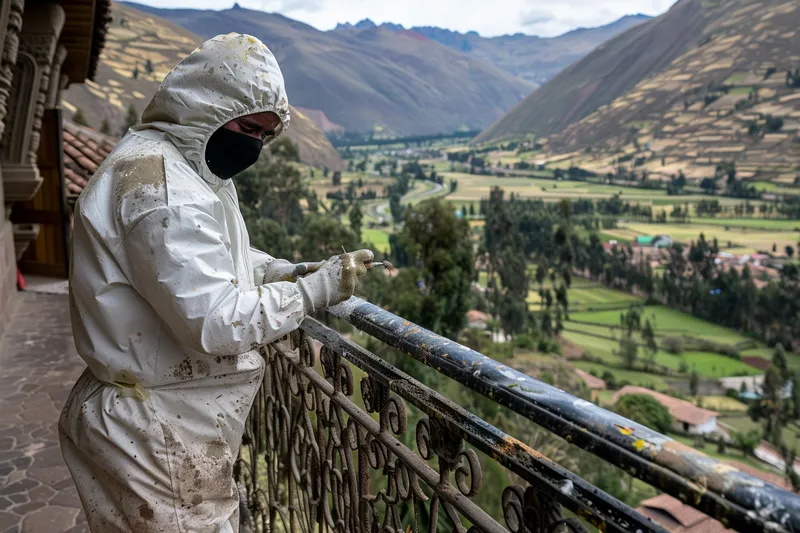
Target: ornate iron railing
(314, 460)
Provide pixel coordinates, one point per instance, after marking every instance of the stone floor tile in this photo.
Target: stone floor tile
(40, 366)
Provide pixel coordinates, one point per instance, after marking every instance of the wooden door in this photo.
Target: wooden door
(48, 255)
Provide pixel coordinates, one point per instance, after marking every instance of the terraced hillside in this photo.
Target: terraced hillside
(734, 97)
(609, 71)
(140, 49)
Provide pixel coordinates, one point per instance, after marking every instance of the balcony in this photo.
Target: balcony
(340, 440)
(314, 459)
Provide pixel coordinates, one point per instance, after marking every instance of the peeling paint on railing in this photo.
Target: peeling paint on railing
(735, 498)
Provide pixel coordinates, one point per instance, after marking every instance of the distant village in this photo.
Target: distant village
(763, 266)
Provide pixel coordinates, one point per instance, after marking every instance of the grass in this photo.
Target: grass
(731, 455)
(753, 223)
(642, 379)
(712, 365)
(475, 187)
(739, 77)
(668, 321)
(604, 398)
(722, 403)
(707, 365)
(378, 239)
(747, 240)
(790, 434)
(585, 295)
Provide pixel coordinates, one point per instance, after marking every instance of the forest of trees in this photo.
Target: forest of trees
(544, 234)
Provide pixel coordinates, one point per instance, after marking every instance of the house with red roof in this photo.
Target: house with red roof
(687, 417)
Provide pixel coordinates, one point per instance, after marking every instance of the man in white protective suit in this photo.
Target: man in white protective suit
(170, 303)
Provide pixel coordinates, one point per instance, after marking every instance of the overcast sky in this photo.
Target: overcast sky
(489, 18)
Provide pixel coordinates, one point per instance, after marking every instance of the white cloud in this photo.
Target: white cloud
(496, 17)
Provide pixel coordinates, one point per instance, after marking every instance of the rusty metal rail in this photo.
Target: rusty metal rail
(737, 499)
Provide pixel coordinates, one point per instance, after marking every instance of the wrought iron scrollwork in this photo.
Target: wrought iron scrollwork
(312, 460)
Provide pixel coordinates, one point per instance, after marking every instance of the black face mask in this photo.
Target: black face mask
(230, 152)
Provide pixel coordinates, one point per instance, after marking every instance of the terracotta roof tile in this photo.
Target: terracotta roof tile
(84, 150)
(474, 316)
(677, 517)
(681, 410)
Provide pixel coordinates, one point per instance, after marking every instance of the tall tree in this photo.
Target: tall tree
(440, 245)
(356, 217)
(274, 187)
(649, 338)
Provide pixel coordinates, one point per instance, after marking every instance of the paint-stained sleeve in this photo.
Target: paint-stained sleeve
(259, 261)
(180, 264)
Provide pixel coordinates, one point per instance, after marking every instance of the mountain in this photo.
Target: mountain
(610, 70)
(732, 94)
(536, 59)
(140, 49)
(371, 79)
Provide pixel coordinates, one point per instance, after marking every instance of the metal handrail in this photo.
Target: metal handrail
(559, 484)
(737, 499)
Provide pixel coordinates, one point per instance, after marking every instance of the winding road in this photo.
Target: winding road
(380, 208)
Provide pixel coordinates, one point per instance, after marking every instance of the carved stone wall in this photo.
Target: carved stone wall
(10, 26)
(38, 41)
(11, 22)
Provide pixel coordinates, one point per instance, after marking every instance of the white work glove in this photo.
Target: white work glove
(283, 270)
(334, 281)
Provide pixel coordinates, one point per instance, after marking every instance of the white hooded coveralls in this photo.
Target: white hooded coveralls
(167, 307)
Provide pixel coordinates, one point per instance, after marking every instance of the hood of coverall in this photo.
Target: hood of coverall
(226, 77)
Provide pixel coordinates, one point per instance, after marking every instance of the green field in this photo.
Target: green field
(730, 455)
(642, 379)
(378, 239)
(752, 223)
(741, 239)
(714, 365)
(791, 433)
(722, 403)
(475, 187)
(707, 365)
(587, 295)
(668, 321)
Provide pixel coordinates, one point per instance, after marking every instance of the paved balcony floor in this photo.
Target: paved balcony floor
(38, 366)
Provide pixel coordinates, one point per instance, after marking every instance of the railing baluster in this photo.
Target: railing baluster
(735, 498)
(312, 458)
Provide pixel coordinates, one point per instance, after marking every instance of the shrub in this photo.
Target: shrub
(610, 379)
(746, 440)
(705, 345)
(673, 345)
(645, 410)
(524, 341)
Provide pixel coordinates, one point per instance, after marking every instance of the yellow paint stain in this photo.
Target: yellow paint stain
(638, 444)
(624, 430)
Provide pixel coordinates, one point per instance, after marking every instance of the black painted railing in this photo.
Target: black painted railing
(313, 460)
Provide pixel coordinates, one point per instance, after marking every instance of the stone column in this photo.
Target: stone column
(10, 26)
(56, 78)
(41, 29)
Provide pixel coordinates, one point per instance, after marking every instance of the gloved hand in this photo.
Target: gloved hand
(334, 281)
(283, 270)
